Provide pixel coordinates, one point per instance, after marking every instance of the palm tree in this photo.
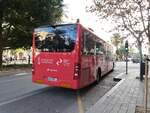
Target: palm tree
(116, 40)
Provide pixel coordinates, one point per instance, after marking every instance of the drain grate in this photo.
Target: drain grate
(140, 109)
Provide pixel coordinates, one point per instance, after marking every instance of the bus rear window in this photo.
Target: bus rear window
(55, 39)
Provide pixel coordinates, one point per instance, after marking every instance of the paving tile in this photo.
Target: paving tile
(124, 98)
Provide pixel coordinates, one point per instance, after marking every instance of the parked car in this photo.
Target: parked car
(135, 60)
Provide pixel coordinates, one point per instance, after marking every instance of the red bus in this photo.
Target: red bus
(69, 56)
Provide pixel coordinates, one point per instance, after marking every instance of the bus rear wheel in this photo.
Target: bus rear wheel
(98, 76)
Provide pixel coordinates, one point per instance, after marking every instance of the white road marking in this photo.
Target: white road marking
(20, 74)
(13, 79)
(4, 81)
(23, 96)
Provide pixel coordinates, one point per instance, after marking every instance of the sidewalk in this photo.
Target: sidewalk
(124, 97)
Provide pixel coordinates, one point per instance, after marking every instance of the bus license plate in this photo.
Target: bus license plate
(52, 79)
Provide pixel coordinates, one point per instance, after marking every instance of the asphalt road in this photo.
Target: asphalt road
(19, 95)
(15, 86)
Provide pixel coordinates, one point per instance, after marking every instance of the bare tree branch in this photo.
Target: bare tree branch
(142, 18)
(125, 25)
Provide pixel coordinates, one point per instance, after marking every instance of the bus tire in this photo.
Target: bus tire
(98, 76)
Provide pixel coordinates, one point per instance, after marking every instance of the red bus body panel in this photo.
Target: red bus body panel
(58, 65)
(55, 65)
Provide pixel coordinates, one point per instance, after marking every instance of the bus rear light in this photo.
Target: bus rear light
(76, 71)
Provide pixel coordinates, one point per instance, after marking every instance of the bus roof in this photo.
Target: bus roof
(54, 25)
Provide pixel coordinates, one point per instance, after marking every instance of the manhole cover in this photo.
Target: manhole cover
(140, 109)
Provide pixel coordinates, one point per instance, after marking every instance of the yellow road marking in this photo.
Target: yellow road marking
(80, 104)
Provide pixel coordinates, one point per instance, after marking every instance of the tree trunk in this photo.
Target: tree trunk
(1, 42)
(140, 51)
(1, 53)
(141, 60)
(1, 38)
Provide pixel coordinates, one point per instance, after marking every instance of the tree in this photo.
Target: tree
(121, 52)
(132, 16)
(19, 17)
(116, 40)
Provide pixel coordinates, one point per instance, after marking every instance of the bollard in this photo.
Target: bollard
(142, 70)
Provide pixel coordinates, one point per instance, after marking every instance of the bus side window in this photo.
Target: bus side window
(89, 46)
(109, 55)
(99, 49)
(84, 51)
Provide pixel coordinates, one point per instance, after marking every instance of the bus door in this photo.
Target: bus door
(91, 52)
(101, 57)
(109, 60)
(107, 63)
(88, 58)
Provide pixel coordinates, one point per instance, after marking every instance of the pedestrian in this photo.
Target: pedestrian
(28, 59)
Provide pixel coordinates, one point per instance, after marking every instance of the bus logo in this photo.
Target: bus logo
(59, 62)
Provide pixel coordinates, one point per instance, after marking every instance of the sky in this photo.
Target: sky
(76, 9)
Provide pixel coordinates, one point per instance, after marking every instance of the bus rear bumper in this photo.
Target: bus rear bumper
(65, 84)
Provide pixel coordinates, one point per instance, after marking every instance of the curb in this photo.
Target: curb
(118, 77)
(101, 100)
